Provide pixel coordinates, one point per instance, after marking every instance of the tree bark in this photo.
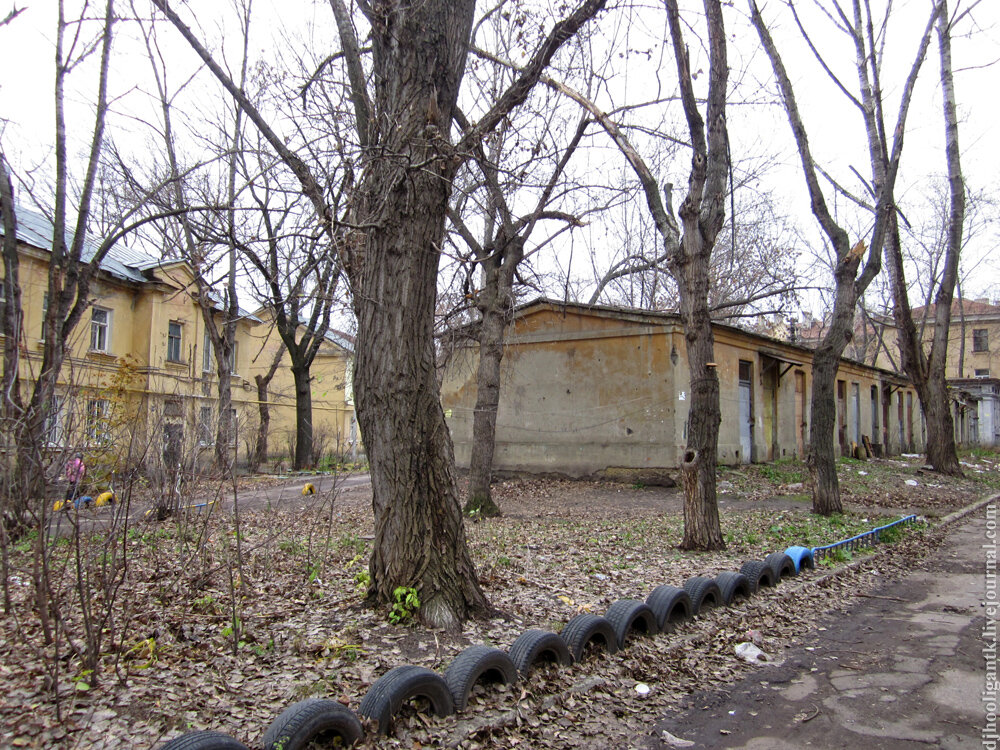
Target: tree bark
(849, 283)
(927, 371)
(303, 416)
(259, 453)
(484, 419)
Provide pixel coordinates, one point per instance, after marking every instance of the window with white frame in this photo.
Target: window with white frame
(980, 340)
(98, 429)
(206, 435)
(54, 421)
(175, 332)
(45, 312)
(100, 329)
(207, 355)
(234, 358)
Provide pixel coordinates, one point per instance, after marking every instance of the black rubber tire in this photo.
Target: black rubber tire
(204, 741)
(758, 573)
(390, 691)
(704, 593)
(533, 645)
(583, 629)
(631, 615)
(670, 605)
(474, 663)
(781, 565)
(302, 722)
(733, 586)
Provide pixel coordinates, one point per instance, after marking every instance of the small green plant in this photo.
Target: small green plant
(81, 680)
(205, 603)
(350, 540)
(362, 579)
(314, 570)
(891, 535)
(405, 604)
(24, 544)
(837, 556)
(291, 546)
(262, 650)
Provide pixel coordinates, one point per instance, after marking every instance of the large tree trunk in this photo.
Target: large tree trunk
(702, 529)
(821, 451)
(942, 452)
(484, 418)
(419, 536)
(303, 417)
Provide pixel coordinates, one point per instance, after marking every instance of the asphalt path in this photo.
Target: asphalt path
(912, 665)
(249, 497)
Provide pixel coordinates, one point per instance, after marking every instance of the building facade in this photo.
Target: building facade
(586, 389)
(140, 374)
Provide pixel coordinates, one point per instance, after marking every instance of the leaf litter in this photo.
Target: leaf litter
(173, 664)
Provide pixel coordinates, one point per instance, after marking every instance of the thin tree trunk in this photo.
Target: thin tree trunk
(849, 284)
(259, 453)
(484, 418)
(927, 371)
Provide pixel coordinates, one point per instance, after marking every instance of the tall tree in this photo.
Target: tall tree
(926, 370)
(851, 277)
(72, 266)
(403, 124)
(497, 256)
(687, 248)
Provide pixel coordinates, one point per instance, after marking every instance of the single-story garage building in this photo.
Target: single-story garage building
(588, 388)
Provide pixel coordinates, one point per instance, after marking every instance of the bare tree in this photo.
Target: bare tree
(687, 248)
(926, 370)
(403, 125)
(850, 277)
(71, 267)
(521, 151)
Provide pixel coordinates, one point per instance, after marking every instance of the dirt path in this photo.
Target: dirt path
(903, 669)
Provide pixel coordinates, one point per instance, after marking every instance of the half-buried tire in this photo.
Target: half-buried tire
(733, 586)
(204, 741)
(631, 615)
(535, 645)
(670, 605)
(401, 684)
(781, 565)
(704, 593)
(471, 665)
(312, 720)
(585, 629)
(802, 557)
(758, 573)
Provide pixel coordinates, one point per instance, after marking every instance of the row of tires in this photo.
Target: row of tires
(305, 722)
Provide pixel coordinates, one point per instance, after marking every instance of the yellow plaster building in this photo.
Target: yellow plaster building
(141, 369)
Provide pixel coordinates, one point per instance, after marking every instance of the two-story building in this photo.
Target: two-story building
(141, 372)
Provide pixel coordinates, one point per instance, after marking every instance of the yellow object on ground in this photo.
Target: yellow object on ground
(59, 505)
(104, 498)
(309, 489)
